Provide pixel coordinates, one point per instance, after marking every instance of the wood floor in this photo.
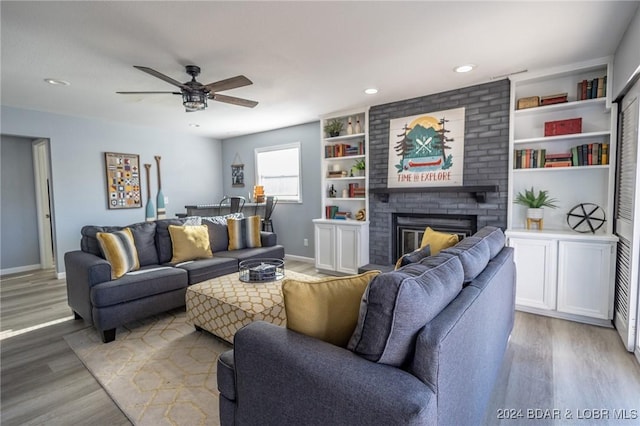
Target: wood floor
(552, 368)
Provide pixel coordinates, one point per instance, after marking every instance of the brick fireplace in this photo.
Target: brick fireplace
(484, 194)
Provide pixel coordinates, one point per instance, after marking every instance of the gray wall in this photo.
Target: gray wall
(486, 148)
(190, 168)
(291, 221)
(18, 218)
(627, 57)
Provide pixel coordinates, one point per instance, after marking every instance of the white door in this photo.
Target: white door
(325, 246)
(585, 279)
(43, 201)
(628, 212)
(535, 272)
(347, 242)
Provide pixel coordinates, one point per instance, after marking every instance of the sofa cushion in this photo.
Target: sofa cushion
(244, 233)
(473, 253)
(119, 249)
(494, 238)
(396, 305)
(438, 240)
(218, 235)
(163, 239)
(89, 242)
(189, 243)
(138, 285)
(327, 308)
(275, 252)
(206, 269)
(414, 256)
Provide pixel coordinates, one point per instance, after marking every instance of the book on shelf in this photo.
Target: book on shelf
(566, 163)
(337, 173)
(529, 158)
(564, 159)
(330, 211)
(342, 215)
(592, 89)
(343, 150)
(557, 98)
(590, 154)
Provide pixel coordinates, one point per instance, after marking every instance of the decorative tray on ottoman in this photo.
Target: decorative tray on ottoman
(261, 270)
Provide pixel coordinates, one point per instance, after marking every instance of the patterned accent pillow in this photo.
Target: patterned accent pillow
(190, 243)
(192, 220)
(120, 251)
(244, 233)
(222, 220)
(327, 308)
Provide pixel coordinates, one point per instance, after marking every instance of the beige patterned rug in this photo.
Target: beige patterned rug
(159, 371)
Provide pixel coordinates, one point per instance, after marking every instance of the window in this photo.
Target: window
(278, 170)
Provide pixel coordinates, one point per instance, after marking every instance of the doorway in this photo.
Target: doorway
(43, 201)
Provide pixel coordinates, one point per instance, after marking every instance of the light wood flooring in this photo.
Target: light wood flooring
(550, 364)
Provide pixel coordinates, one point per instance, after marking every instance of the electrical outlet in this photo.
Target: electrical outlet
(166, 200)
(305, 242)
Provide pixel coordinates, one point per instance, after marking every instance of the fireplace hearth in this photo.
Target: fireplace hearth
(408, 228)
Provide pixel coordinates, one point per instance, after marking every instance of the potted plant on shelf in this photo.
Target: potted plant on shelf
(358, 167)
(333, 127)
(535, 203)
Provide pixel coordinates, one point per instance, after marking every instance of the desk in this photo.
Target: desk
(250, 209)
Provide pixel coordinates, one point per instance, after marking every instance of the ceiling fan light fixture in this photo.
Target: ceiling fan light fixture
(194, 101)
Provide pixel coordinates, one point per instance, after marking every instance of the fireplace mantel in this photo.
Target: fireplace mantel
(479, 192)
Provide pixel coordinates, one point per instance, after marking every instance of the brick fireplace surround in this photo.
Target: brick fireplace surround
(486, 161)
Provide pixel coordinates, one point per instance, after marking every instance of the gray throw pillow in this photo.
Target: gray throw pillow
(415, 256)
(396, 305)
(218, 235)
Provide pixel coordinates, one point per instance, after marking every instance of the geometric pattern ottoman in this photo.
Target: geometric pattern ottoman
(224, 304)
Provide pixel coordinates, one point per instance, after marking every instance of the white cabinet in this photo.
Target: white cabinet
(565, 275)
(342, 231)
(536, 272)
(584, 272)
(341, 247)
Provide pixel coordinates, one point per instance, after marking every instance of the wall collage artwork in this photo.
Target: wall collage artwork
(123, 180)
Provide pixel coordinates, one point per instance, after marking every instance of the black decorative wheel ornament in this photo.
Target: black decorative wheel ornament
(586, 217)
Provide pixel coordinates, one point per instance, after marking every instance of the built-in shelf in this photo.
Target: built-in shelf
(479, 192)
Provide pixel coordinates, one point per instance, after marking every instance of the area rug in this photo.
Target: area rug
(159, 371)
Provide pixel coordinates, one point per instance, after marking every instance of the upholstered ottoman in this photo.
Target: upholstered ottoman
(223, 305)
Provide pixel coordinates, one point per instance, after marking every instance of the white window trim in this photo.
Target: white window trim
(297, 145)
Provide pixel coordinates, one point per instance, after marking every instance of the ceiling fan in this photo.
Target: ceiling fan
(195, 94)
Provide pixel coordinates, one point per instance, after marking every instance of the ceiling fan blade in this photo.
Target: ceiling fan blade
(162, 77)
(229, 83)
(149, 93)
(233, 100)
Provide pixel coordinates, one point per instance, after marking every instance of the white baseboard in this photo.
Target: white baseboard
(61, 275)
(19, 269)
(299, 258)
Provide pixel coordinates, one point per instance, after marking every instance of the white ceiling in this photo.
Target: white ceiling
(304, 58)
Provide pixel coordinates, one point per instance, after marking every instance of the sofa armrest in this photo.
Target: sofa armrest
(268, 239)
(83, 271)
(289, 378)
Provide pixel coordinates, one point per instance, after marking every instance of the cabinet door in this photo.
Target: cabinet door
(585, 279)
(325, 242)
(348, 243)
(535, 272)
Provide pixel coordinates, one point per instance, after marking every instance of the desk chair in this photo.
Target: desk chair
(267, 225)
(235, 204)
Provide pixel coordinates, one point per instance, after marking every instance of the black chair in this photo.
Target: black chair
(236, 204)
(267, 225)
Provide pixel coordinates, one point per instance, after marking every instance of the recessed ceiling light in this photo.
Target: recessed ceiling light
(57, 82)
(464, 68)
(194, 125)
(371, 91)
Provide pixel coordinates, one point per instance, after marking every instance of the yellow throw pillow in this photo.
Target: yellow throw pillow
(120, 251)
(190, 242)
(244, 233)
(438, 240)
(327, 308)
